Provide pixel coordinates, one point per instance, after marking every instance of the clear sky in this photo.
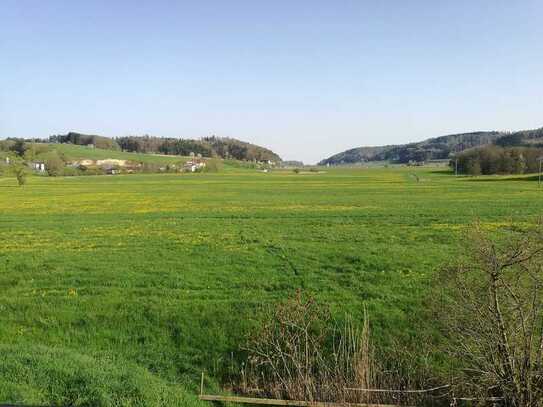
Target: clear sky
(305, 78)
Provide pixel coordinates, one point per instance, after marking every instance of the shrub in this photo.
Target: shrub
(493, 311)
(213, 165)
(20, 172)
(300, 353)
(18, 147)
(34, 150)
(18, 169)
(54, 165)
(5, 145)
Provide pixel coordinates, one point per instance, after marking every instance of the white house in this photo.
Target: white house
(38, 166)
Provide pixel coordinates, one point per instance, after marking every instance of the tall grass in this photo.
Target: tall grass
(39, 375)
(301, 353)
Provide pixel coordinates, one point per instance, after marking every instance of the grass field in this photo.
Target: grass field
(75, 152)
(122, 289)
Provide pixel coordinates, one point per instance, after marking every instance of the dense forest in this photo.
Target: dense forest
(221, 147)
(85, 140)
(207, 147)
(498, 160)
(439, 148)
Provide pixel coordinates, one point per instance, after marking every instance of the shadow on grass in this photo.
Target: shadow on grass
(441, 172)
(531, 178)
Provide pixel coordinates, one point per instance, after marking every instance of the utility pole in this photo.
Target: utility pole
(456, 167)
(540, 159)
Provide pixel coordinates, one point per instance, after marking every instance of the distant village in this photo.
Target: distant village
(111, 166)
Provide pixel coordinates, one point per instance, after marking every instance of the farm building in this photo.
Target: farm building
(194, 165)
(38, 166)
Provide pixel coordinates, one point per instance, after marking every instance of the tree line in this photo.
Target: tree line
(213, 146)
(494, 159)
(85, 140)
(221, 147)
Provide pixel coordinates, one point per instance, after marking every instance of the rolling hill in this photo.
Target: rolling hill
(438, 148)
(222, 147)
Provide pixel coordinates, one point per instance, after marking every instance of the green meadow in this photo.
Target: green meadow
(120, 290)
(75, 152)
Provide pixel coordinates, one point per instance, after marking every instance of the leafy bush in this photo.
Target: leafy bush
(34, 150)
(19, 147)
(213, 165)
(5, 145)
(54, 165)
(20, 174)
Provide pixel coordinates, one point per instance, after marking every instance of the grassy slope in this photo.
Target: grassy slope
(164, 272)
(74, 152)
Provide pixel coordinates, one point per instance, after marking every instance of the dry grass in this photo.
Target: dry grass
(300, 353)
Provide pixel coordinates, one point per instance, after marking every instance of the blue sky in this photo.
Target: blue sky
(306, 78)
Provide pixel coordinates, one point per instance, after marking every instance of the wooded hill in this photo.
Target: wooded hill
(221, 147)
(438, 148)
